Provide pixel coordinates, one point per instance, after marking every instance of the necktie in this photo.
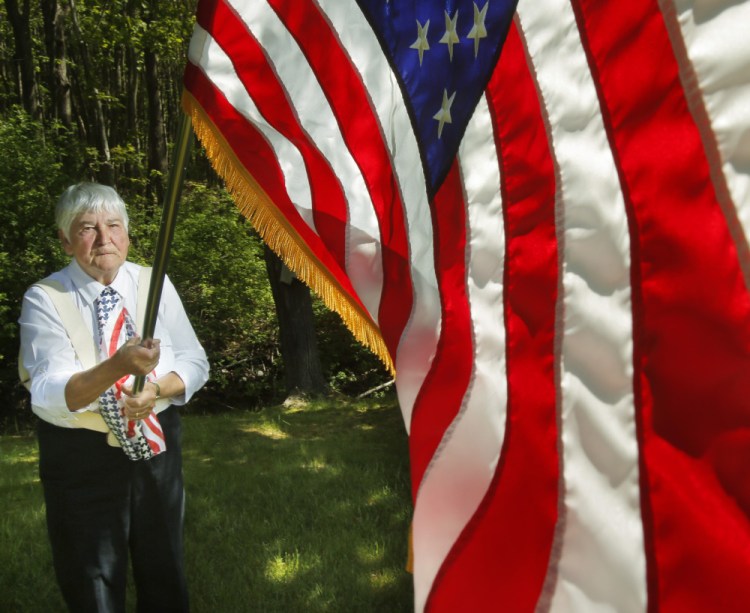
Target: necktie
(140, 440)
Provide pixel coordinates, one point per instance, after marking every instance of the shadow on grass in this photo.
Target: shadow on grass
(299, 510)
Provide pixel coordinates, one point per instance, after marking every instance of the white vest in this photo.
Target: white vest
(85, 345)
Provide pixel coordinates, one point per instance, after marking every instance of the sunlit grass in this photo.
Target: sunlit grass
(267, 429)
(299, 509)
(284, 567)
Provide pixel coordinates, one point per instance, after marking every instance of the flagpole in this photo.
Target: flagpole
(182, 147)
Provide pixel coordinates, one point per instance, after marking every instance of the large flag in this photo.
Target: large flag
(538, 217)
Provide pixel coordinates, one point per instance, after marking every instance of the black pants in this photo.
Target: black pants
(102, 507)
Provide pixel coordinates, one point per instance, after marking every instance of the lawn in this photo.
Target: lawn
(297, 509)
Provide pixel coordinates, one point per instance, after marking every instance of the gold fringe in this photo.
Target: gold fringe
(275, 230)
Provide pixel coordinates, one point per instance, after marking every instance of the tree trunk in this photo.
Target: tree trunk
(107, 175)
(131, 96)
(133, 103)
(57, 71)
(19, 21)
(299, 346)
(158, 166)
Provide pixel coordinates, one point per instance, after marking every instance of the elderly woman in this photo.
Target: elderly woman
(110, 460)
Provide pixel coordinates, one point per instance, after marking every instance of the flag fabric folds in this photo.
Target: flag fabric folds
(537, 216)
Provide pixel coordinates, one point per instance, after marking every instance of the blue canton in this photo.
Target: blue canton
(444, 53)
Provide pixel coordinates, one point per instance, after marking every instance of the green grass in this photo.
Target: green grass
(289, 510)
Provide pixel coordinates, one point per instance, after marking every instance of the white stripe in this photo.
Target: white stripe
(601, 565)
(317, 119)
(717, 38)
(152, 432)
(419, 341)
(465, 462)
(206, 53)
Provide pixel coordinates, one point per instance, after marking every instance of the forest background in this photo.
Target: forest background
(90, 90)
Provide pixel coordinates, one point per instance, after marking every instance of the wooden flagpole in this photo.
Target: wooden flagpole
(182, 147)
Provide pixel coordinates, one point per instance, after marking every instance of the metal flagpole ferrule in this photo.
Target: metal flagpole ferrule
(166, 231)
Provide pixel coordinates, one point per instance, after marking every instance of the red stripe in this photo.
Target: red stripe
(235, 129)
(113, 340)
(260, 80)
(152, 432)
(254, 153)
(356, 119)
(443, 389)
(691, 318)
(504, 552)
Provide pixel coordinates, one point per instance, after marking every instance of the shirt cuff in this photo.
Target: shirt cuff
(49, 394)
(193, 376)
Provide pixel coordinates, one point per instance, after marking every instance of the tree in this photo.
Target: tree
(299, 346)
(58, 81)
(20, 19)
(90, 96)
(30, 178)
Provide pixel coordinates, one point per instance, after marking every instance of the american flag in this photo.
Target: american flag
(538, 217)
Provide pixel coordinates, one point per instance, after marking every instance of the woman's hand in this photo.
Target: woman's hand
(138, 357)
(139, 406)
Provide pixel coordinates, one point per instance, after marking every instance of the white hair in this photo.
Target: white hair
(87, 198)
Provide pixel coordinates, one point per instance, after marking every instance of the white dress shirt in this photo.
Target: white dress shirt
(48, 354)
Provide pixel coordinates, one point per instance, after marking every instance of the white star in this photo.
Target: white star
(450, 37)
(421, 43)
(443, 116)
(479, 30)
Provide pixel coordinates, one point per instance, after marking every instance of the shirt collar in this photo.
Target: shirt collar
(90, 288)
(120, 283)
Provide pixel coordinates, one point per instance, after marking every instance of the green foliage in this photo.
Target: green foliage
(349, 367)
(164, 27)
(217, 265)
(31, 177)
(287, 510)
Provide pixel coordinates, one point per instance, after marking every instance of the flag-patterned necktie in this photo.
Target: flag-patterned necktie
(140, 440)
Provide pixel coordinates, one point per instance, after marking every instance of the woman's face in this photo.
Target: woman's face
(99, 242)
